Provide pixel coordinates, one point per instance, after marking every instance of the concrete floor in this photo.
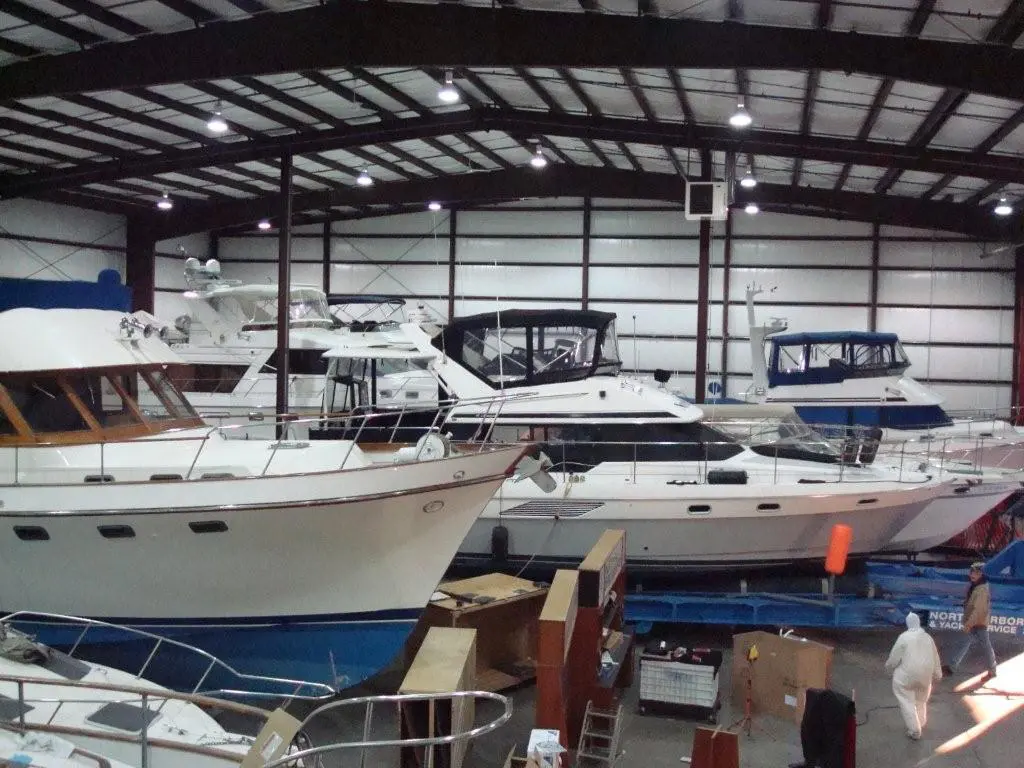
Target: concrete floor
(987, 719)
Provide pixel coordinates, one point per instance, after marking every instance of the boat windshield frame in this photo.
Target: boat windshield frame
(91, 405)
(521, 348)
(830, 358)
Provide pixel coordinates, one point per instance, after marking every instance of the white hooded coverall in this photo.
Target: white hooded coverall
(914, 663)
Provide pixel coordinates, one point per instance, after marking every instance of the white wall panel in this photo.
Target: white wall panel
(938, 255)
(800, 318)
(648, 354)
(266, 272)
(669, 283)
(654, 320)
(504, 250)
(985, 326)
(957, 288)
(737, 385)
(961, 363)
(626, 223)
(266, 248)
(170, 273)
(799, 285)
(402, 224)
(714, 358)
(838, 253)
(784, 224)
(625, 250)
(520, 223)
(429, 249)
(739, 356)
(971, 397)
(397, 280)
(516, 282)
(197, 244)
(44, 261)
(465, 307)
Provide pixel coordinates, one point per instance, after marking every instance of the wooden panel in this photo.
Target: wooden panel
(558, 617)
(600, 568)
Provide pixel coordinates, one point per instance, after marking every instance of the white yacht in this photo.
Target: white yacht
(96, 712)
(311, 559)
(858, 379)
(228, 340)
(628, 455)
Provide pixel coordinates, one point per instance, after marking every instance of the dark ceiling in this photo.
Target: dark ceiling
(896, 111)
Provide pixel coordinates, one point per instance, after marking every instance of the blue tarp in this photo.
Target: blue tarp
(106, 293)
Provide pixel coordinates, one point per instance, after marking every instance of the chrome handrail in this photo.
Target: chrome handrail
(39, 617)
(398, 699)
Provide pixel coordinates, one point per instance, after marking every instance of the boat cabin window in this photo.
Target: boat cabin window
(46, 405)
(831, 358)
(307, 308)
(207, 377)
(307, 362)
(533, 355)
(158, 397)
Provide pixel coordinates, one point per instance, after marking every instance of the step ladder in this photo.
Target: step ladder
(599, 737)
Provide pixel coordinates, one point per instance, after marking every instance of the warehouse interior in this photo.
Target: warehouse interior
(468, 158)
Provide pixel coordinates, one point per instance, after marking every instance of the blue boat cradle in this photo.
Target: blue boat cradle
(935, 593)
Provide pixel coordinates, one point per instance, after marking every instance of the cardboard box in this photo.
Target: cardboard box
(785, 668)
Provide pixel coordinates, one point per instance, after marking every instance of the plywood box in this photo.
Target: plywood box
(504, 611)
(785, 668)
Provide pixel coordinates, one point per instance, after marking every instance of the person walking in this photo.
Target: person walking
(914, 664)
(977, 609)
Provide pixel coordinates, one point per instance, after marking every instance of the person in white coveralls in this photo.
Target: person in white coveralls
(914, 664)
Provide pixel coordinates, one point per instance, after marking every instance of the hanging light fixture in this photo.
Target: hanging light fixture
(165, 203)
(538, 160)
(434, 205)
(752, 209)
(1003, 208)
(264, 225)
(748, 181)
(449, 94)
(217, 123)
(364, 179)
(740, 118)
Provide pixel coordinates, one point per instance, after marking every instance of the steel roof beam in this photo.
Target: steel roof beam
(553, 105)
(105, 17)
(516, 123)
(597, 182)
(883, 209)
(1011, 124)
(392, 34)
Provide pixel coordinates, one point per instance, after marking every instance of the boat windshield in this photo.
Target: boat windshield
(43, 405)
(519, 356)
(826, 358)
(256, 309)
(787, 436)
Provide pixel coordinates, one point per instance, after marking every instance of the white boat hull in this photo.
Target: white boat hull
(694, 526)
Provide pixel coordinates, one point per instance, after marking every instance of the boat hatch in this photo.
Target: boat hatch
(124, 717)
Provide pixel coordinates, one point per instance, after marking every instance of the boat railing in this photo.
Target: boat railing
(206, 665)
(102, 693)
(429, 744)
(303, 749)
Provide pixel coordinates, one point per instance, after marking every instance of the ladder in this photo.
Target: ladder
(599, 737)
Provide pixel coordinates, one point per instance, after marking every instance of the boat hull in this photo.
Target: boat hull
(703, 527)
(329, 586)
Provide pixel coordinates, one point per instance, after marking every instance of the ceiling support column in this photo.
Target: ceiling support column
(588, 211)
(326, 266)
(876, 251)
(726, 273)
(140, 264)
(452, 230)
(1017, 383)
(284, 265)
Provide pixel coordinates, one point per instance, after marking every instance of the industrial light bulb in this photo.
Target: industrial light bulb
(448, 93)
(538, 160)
(1003, 208)
(364, 179)
(752, 208)
(740, 118)
(748, 181)
(216, 123)
(434, 205)
(165, 203)
(264, 225)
